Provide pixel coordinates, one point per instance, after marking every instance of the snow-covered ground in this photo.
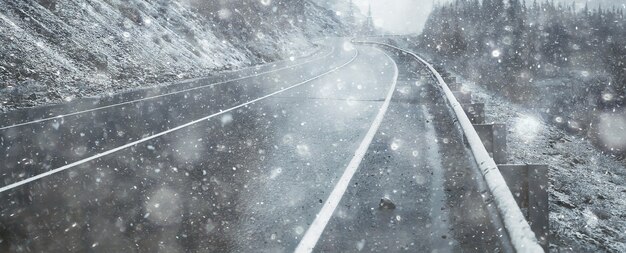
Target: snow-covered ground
(57, 50)
(587, 187)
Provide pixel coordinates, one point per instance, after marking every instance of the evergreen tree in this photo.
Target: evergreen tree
(510, 44)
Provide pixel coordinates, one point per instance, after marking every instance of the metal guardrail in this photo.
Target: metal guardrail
(522, 237)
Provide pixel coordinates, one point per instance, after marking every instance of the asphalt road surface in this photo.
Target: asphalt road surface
(288, 156)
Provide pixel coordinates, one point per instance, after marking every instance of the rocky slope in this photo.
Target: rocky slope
(56, 50)
(586, 186)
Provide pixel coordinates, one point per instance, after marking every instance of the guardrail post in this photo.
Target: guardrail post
(442, 70)
(463, 97)
(493, 137)
(475, 112)
(529, 185)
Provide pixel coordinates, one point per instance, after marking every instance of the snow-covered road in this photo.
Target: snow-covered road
(249, 162)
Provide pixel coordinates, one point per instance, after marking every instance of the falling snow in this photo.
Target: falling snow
(274, 126)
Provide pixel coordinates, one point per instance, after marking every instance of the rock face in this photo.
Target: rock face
(59, 49)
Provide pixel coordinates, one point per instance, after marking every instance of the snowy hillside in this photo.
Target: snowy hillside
(55, 50)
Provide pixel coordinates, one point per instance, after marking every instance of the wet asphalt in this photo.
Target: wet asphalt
(250, 179)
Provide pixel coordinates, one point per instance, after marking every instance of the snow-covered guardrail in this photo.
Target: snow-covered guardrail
(522, 237)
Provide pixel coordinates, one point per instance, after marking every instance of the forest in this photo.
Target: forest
(568, 61)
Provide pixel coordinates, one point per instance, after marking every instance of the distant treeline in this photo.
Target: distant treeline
(509, 44)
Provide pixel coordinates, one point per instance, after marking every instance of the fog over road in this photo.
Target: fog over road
(248, 165)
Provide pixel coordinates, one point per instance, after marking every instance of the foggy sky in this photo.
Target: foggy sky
(398, 16)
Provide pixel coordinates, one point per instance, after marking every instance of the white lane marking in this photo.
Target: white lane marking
(91, 158)
(313, 233)
(166, 94)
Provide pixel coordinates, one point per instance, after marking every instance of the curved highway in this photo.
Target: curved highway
(292, 156)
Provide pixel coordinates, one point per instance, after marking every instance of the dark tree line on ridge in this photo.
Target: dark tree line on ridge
(508, 45)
